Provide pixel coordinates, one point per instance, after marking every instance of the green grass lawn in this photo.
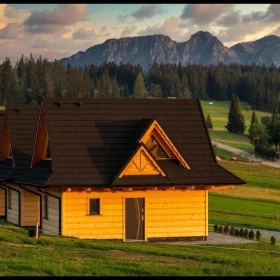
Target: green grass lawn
(255, 175)
(238, 211)
(218, 112)
(22, 255)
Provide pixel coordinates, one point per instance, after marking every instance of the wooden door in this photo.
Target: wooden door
(134, 218)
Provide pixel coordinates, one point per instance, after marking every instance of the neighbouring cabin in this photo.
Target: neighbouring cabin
(18, 128)
(135, 215)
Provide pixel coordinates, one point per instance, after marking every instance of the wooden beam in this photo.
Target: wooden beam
(170, 188)
(106, 189)
(220, 187)
(68, 189)
(126, 189)
(87, 189)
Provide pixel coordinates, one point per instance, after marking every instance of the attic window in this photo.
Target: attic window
(156, 149)
(48, 154)
(10, 153)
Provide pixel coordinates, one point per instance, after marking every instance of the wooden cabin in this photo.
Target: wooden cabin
(18, 127)
(128, 169)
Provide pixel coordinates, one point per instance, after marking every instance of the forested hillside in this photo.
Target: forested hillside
(29, 80)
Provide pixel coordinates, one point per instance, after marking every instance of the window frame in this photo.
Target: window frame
(94, 213)
(46, 207)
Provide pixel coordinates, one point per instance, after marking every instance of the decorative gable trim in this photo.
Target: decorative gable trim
(141, 163)
(6, 146)
(154, 129)
(41, 140)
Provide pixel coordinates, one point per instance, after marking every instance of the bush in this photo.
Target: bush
(232, 231)
(226, 229)
(241, 232)
(246, 233)
(258, 235)
(237, 232)
(221, 230)
(216, 228)
(251, 234)
(272, 240)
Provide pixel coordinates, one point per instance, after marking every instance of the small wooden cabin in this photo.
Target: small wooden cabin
(18, 128)
(129, 169)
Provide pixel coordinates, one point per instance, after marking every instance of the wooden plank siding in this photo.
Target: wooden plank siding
(12, 214)
(30, 209)
(168, 213)
(2, 202)
(50, 225)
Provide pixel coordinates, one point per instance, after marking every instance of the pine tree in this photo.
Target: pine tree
(139, 90)
(115, 88)
(254, 120)
(209, 123)
(155, 90)
(236, 122)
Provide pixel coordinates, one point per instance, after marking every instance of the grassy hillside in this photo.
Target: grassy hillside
(218, 112)
(56, 256)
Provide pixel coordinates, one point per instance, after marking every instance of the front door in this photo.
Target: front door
(134, 218)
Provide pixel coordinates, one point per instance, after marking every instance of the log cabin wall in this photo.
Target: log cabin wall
(168, 213)
(2, 202)
(30, 209)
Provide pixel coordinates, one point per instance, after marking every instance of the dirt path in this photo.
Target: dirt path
(251, 157)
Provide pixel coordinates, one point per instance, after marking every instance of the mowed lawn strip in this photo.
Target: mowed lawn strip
(58, 256)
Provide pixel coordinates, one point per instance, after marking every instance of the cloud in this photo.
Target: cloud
(170, 27)
(11, 31)
(205, 13)
(146, 11)
(40, 44)
(230, 19)
(83, 34)
(128, 31)
(11, 15)
(54, 21)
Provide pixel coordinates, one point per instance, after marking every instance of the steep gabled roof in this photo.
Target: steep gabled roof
(92, 139)
(23, 122)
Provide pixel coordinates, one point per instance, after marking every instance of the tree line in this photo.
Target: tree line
(30, 80)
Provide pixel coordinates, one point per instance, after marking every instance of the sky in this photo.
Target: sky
(61, 30)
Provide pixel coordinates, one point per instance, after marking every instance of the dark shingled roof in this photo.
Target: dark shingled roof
(92, 139)
(23, 122)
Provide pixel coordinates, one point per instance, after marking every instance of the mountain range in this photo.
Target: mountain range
(202, 48)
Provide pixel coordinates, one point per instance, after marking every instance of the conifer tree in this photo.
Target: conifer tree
(236, 122)
(139, 90)
(254, 120)
(155, 90)
(209, 123)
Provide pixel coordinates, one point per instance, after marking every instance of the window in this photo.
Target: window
(48, 154)
(10, 153)
(9, 199)
(94, 206)
(155, 148)
(46, 207)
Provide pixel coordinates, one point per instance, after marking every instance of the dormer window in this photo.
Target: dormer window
(159, 144)
(155, 148)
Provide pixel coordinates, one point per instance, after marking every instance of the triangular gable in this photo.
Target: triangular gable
(141, 163)
(156, 131)
(6, 148)
(42, 146)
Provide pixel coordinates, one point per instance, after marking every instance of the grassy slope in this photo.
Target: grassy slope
(219, 116)
(49, 256)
